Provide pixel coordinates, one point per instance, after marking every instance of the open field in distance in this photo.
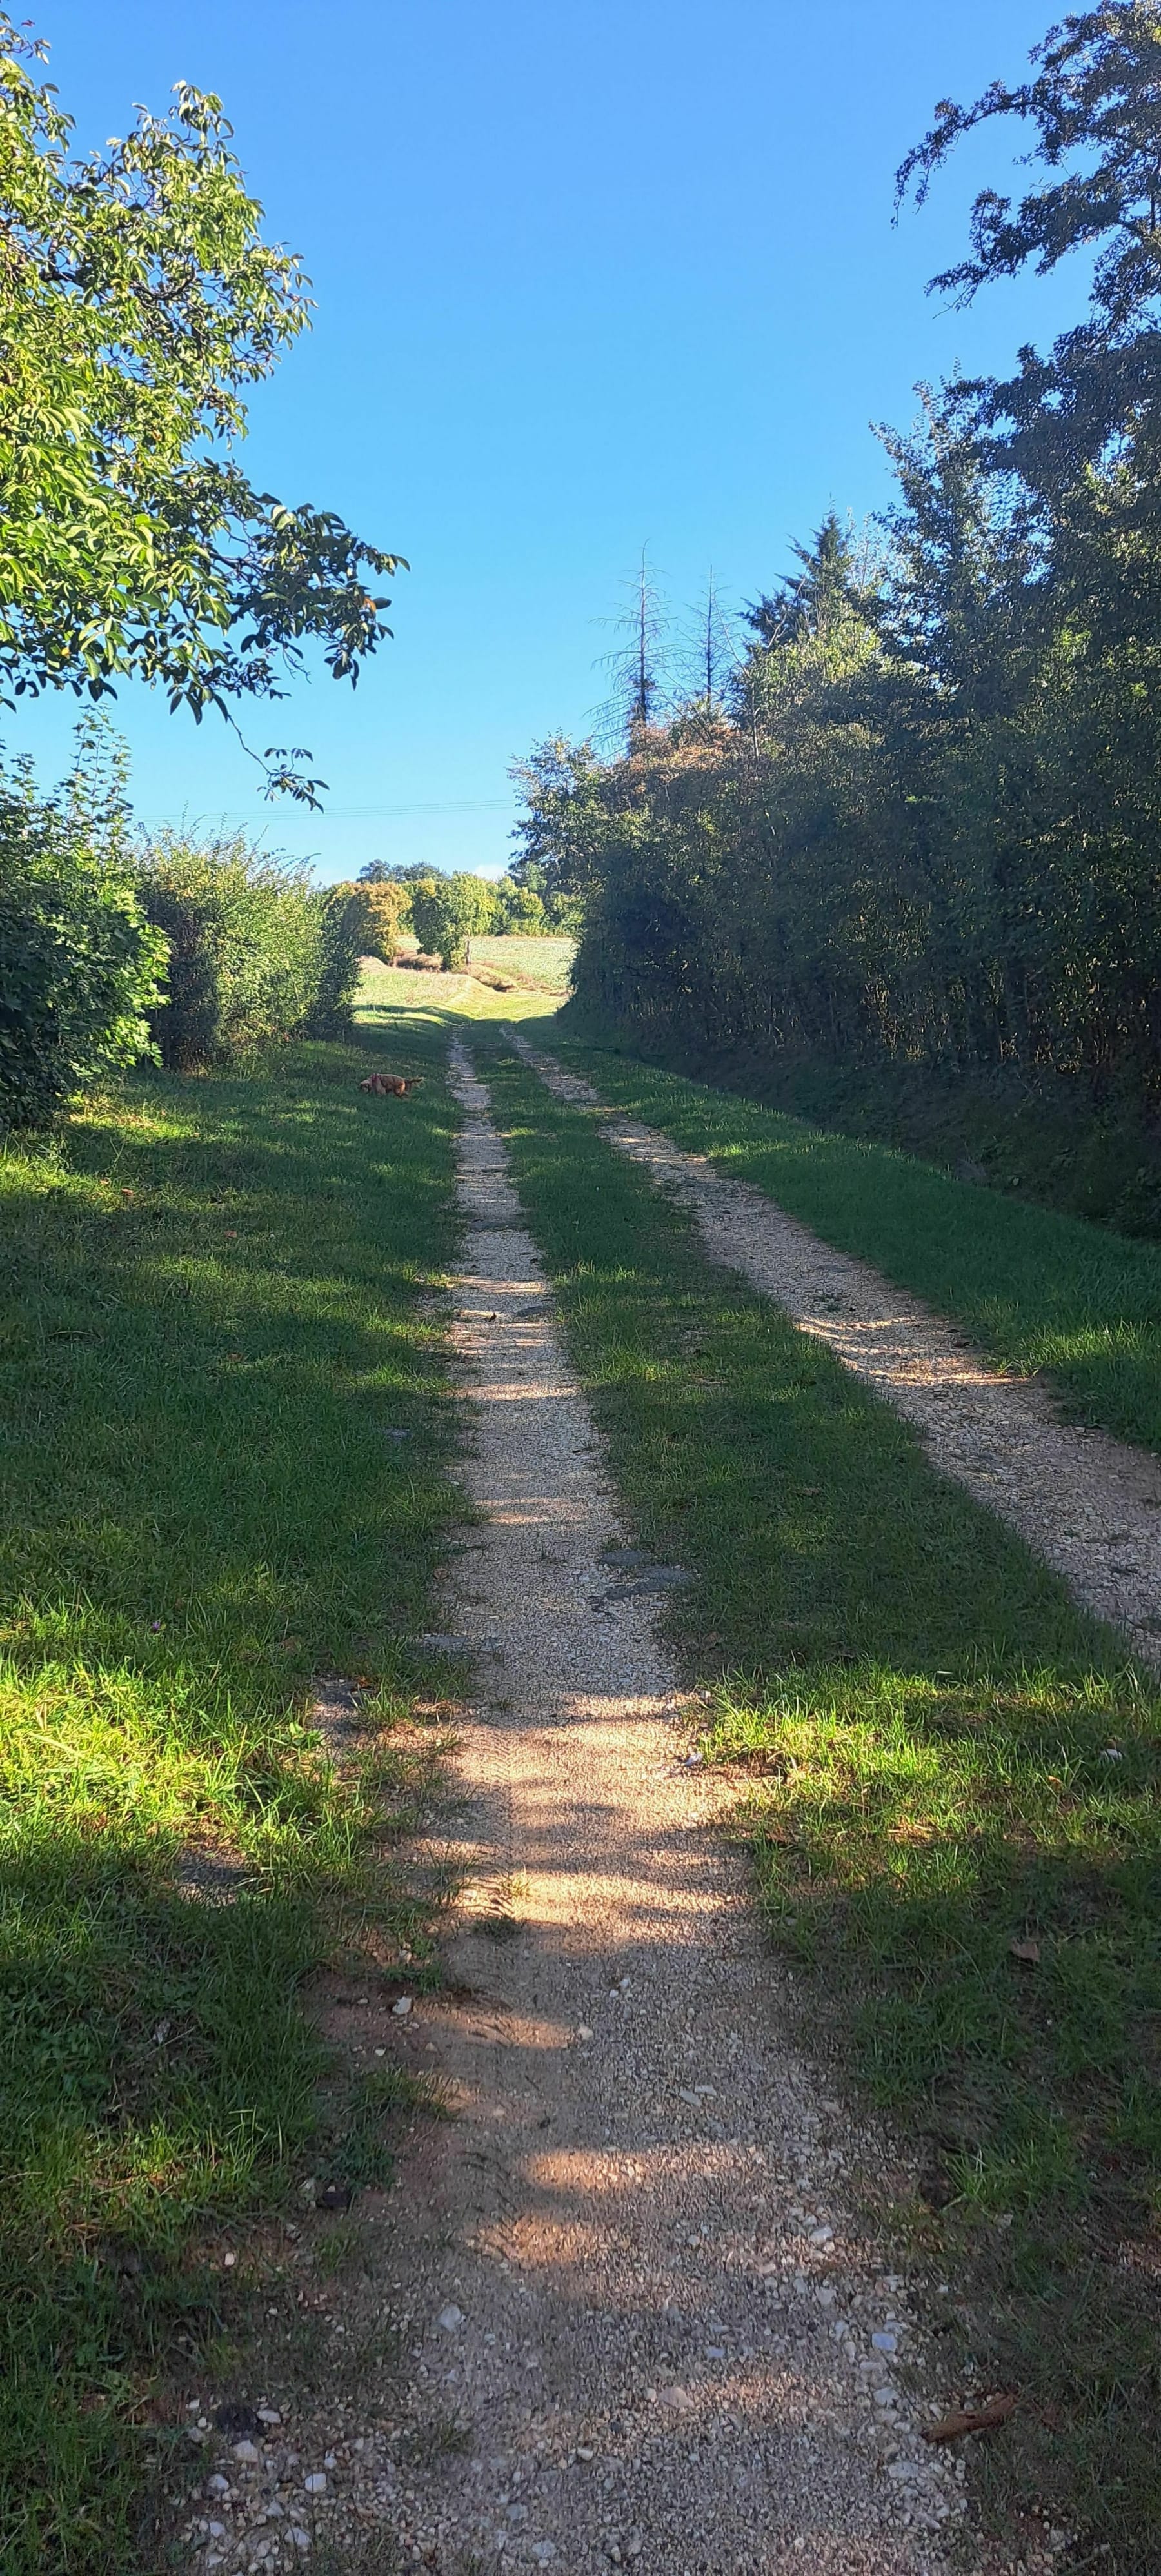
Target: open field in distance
(434, 1001)
(547, 962)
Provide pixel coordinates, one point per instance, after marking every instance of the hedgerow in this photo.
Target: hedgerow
(80, 965)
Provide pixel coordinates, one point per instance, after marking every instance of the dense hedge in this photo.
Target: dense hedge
(256, 953)
(80, 966)
(851, 861)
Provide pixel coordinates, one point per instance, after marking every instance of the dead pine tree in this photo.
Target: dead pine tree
(635, 665)
(708, 659)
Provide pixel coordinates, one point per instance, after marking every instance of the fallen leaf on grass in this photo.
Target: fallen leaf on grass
(1029, 1950)
(971, 2419)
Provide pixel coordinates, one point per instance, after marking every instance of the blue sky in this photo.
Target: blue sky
(588, 277)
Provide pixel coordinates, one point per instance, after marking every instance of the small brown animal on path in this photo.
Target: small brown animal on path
(390, 1086)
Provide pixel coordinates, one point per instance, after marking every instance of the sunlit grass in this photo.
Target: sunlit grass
(440, 1001)
(547, 962)
(225, 1441)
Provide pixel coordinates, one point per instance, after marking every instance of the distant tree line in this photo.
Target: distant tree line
(918, 817)
(445, 912)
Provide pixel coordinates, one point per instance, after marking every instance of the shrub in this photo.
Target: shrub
(256, 953)
(341, 943)
(383, 914)
(447, 910)
(388, 917)
(80, 966)
(520, 911)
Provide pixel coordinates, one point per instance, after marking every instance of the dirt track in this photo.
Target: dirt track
(1088, 1505)
(640, 2317)
(657, 2306)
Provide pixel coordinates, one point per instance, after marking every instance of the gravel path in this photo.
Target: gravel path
(1088, 1505)
(636, 2281)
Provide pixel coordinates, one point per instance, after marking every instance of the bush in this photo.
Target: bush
(388, 917)
(520, 912)
(256, 952)
(383, 914)
(80, 965)
(342, 924)
(447, 910)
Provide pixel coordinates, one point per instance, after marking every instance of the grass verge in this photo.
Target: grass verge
(1042, 1137)
(1035, 1289)
(949, 1781)
(224, 1475)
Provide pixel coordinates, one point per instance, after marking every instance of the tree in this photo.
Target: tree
(387, 913)
(138, 302)
(448, 912)
(954, 601)
(1095, 102)
(380, 872)
(635, 663)
(809, 604)
(707, 658)
(561, 830)
(520, 911)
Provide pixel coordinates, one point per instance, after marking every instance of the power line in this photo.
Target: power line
(366, 813)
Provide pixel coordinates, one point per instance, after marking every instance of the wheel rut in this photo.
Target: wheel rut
(1087, 1505)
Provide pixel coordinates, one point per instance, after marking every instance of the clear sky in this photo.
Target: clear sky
(590, 274)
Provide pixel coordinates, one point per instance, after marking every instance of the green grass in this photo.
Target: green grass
(920, 1722)
(544, 962)
(1035, 1289)
(1062, 1144)
(214, 1319)
(394, 998)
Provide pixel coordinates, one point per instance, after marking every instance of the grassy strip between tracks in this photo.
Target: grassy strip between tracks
(949, 1781)
(1035, 1289)
(224, 1474)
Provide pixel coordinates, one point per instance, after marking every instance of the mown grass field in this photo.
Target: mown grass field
(1036, 1290)
(948, 1780)
(438, 1002)
(546, 963)
(224, 1474)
